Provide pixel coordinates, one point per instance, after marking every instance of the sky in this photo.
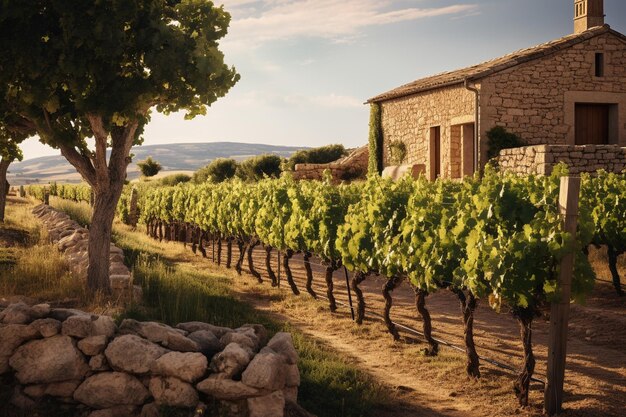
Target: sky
(308, 66)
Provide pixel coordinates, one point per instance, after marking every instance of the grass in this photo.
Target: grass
(79, 212)
(31, 266)
(176, 289)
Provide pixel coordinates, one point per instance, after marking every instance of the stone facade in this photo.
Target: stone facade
(536, 100)
(91, 367)
(410, 120)
(532, 93)
(541, 159)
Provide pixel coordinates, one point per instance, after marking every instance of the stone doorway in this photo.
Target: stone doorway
(435, 152)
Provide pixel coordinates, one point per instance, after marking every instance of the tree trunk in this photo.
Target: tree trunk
(251, 246)
(268, 266)
(522, 384)
(467, 309)
(229, 252)
(420, 303)
(330, 287)
(309, 274)
(242, 254)
(389, 286)
(4, 167)
(288, 255)
(194, 239)
(100, 239)
(358, 278)
(613, 254)
(201, 247)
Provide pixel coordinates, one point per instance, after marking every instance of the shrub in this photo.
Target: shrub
(174, 179)
(149, 167)
(218, 170)
(258, 167)
(321, 155)
(499, 138)
(397, 152)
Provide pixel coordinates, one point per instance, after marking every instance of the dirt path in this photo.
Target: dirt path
(596, 374)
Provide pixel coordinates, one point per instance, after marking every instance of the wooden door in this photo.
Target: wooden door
(592, 124)
(435, 152)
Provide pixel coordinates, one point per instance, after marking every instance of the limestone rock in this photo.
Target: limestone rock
(209, 344)
(118, 411)
(292, 375)
(174, 339)
(55, 389)
(40, 311)
(48, 360)
(21, 401)
(241, 339)
(173, 392)
(291, 394)
(227, 389)
(272, 405)
(82, 326)
(150, 410)
(188, 366)
(93, 345)
(131, 353)
(194, 326)
(231, 361)
(18, 313)
(12, 336)
(266, 371)
(111, 389)
(63, 314)
(99, 363)
(282, 343)
(47, 327)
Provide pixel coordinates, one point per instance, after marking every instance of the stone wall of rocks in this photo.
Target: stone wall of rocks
(353, 166)
(72, 239)
(98, 369)
(541, 159)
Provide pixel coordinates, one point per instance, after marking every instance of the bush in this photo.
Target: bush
(174, 179)
(255, 169)
(149, 167)
(499, 138)
(321, 155)
(218, 170)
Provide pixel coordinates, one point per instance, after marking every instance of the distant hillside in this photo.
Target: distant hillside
(175, 157)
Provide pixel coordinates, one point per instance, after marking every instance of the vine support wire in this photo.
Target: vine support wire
(349, 292)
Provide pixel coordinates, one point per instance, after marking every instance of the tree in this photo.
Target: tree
(149, 167)
(218, 170)
(79, 70)
(321, 155)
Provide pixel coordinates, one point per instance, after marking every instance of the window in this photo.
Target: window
(599, 64)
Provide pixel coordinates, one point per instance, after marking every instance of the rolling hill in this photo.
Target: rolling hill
(175, 157)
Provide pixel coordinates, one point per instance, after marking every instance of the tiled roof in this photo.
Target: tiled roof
(496, 65)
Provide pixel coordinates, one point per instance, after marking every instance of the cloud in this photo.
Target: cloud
(256, 22)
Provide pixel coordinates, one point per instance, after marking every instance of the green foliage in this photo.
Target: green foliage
(218, 170)
(499, 138)
(321, 155)
(375, 140)
(259, 167)
(149, 167)
(397, 152)
(174, 179)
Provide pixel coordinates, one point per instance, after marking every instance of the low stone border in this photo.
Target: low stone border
(73, 240)
(101, 370)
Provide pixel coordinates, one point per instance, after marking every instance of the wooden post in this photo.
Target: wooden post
(559, 313)
(133, 209)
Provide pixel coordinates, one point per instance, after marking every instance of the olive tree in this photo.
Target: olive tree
(86, 76)
(9, 152)
(149, 167)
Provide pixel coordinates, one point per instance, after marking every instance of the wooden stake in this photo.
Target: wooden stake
(559, 313)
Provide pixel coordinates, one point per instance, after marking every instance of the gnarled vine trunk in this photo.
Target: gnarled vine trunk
(309, 274)
(389, 286)
(201, 237)
(521, 386)
(268, 266)
(358, 278)
(242, 254)
(288, 255)
(420, 304)
(613, 254)
(4, 190)
(219, 249)
(330, 287)
(467, 309)
(229, 251)
(254, 272)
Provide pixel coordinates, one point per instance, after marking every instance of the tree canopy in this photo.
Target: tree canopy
(149, 167)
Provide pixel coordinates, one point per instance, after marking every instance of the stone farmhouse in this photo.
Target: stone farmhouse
(560, 98)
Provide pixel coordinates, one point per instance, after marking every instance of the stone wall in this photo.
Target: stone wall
(409, 120)
(536, 100)
(353, 166)
(73, 240)
(541, 159)
(91, 367)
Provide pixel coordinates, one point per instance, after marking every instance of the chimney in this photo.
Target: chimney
(588, 14)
